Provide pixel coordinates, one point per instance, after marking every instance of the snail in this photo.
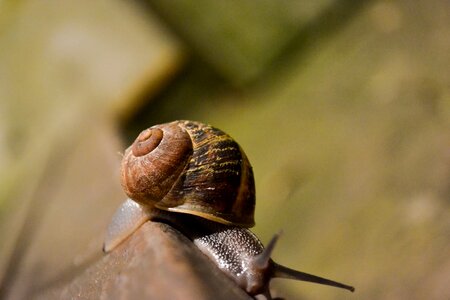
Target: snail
(198, 179)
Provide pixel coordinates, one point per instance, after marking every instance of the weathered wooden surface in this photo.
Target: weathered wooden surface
(157, 262)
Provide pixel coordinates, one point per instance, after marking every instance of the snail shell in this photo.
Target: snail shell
(193, 168)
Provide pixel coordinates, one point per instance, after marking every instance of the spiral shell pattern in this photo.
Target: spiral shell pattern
(193, 168)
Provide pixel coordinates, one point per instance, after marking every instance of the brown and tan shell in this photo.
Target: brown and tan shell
(193, 168)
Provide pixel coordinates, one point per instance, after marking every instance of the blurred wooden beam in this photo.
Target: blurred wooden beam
(156, 262)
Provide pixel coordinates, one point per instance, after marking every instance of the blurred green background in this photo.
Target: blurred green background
(343, 108)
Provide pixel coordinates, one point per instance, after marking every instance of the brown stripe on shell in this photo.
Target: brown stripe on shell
(247, 190)
(217, 182)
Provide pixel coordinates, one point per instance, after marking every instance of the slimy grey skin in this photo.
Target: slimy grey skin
(198, 179)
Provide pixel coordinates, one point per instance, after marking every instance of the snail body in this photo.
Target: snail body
(198, 179)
